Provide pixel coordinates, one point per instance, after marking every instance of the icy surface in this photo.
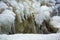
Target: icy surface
(31, 37)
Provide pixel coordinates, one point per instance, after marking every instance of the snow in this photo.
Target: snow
(3, 5)
(43, 14)
(31, 37)
(55, 21)
(7, 18)
(13, 3)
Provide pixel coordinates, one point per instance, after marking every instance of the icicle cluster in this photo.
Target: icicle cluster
(26, 15)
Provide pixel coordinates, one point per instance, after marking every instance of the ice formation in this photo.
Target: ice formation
(7, 18)
(19, 12)
(44, 14)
